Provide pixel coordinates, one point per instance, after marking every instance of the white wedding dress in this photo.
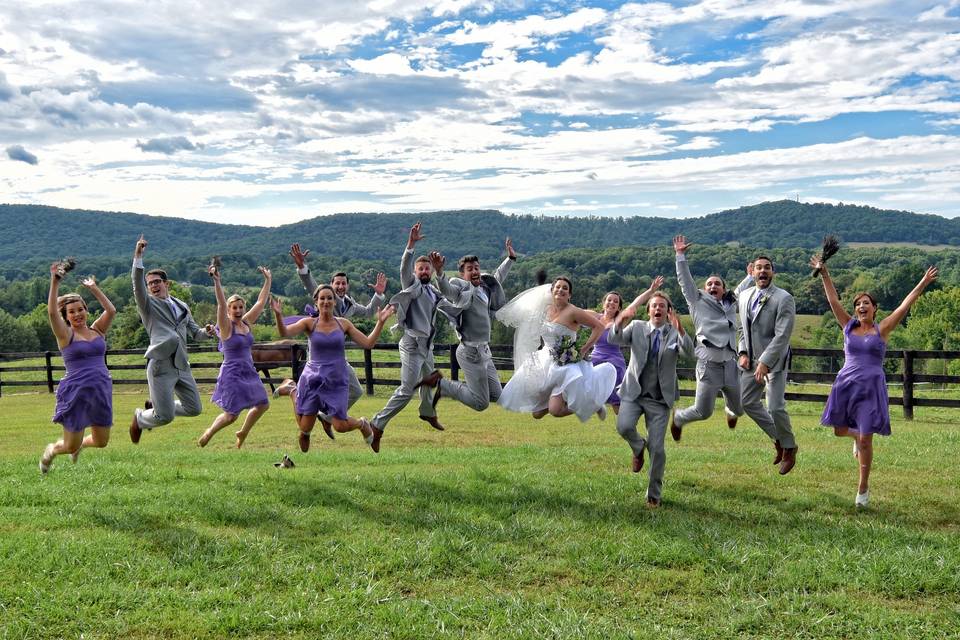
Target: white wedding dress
(537, 375)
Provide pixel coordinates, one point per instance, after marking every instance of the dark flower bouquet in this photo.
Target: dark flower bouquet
(568, 349)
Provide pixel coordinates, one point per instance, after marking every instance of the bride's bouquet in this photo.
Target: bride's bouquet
(568, 349)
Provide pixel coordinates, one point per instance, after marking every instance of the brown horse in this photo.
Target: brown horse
(280, 353)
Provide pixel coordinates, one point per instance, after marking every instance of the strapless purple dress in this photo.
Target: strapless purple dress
(238, 384)
(603, 351)
(858, 399)
(85, 393)
(324, 384)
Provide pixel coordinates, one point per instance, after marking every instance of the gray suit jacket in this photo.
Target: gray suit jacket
(416, 303)
(168, 335)
(637, 336)
(716, 326)
(766, 337)
(473, 315)
(347, 307)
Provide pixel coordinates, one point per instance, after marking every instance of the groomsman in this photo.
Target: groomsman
(767, 314)
(168, 323)
(346, 307)
(474, 298)
(713, 310)
(650, 386)
(417, 305)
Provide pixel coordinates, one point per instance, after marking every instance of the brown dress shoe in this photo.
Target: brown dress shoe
(675, 431)
(304, 441)
(375, 443)
(432, 379)
(327, 428)
(147, 404)
(638, 462)
(433, 422)
(779, 458)
(652, 503)
(135, 430)
(731, 421)
(789, 460)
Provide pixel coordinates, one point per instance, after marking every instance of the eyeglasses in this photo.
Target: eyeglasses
(150, 283)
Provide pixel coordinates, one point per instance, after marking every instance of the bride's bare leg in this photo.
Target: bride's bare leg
(558, 407)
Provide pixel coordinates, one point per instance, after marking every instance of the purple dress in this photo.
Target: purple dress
(324, 384)
(238, 383)
(603, 351)
(85, 393)
(858, 399)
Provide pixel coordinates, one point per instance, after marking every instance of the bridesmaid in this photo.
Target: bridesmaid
(324, 384)
(85, 393)
(238, 383)
(603, 351)
(857, 406)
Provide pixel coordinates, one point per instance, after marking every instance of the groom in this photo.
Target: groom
(475, 297)
(168, 323)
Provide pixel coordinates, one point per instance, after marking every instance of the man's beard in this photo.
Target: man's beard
(424, 279)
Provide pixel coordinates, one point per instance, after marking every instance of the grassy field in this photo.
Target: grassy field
(499, 527)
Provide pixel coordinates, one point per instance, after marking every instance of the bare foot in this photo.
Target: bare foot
(204, 439)
(241, 436)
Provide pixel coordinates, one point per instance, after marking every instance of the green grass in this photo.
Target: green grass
(501, 526)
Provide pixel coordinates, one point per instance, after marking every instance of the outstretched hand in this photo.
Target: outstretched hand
(656, 284)
(141, 245)
(818, 265)
(55, 270)
(415, 236)
(89, 282)
(211, 330)
(277, 305)
(930, 275)
(265, 271)
(214, 273)
(381, 284)
(509, 246)
(750, 268)
(299, 256)
(680, 244)
(386, 312)
(674, 320)
(437, 261)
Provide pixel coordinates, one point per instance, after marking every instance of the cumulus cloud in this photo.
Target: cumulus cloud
(18, 153)
(168, 146)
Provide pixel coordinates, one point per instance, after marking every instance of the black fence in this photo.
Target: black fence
(269, 357)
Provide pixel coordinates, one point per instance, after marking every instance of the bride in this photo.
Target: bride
(550, 374)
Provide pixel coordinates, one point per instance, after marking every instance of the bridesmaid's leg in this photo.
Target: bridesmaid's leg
(252, 416)
(865, 448)
(219, 422)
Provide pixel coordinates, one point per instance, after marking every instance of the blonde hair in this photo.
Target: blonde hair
(234, 298)
(68, 299)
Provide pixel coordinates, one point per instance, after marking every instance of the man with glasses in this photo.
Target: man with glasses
(173, 391)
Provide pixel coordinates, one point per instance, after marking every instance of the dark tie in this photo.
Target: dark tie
(655, 343)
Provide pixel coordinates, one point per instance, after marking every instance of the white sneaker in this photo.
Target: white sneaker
(863, 498)
(46, 459)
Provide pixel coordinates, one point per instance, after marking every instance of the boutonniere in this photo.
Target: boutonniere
(762, 300)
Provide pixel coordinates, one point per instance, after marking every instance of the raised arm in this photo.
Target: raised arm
(368, 341)
(254, 312)
(287, 331)
(303, 271)
(642, 299)
(376, 300)
(458, 298)
(891, 321)
(223, 319)
(501, 273)
(831, 291)
(687, 286)
(102, 324)
(136, 273)
(407, 277)
(57, 323)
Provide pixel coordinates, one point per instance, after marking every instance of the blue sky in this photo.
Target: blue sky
(273, 112)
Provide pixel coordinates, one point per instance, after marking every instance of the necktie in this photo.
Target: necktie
(482, 295)
(655, 343)
(756, 304)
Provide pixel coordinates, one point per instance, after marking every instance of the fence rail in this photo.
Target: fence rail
(503, 354)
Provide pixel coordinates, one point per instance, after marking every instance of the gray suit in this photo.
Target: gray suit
(474, 308)
(649, 392)
(346, 307)
(765, 337)
(716, 326)
(168, 371)
(417, 306)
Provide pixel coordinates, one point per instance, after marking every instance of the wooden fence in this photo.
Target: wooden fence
(829, 360)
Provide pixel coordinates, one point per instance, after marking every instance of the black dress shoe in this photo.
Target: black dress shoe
(147, 404)
(433, 422)
(436, 397)
(732, 421)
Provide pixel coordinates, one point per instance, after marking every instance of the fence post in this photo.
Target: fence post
(368, 370)
(908, 385)
(295, 368)
(454, 365)
(49, 372)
